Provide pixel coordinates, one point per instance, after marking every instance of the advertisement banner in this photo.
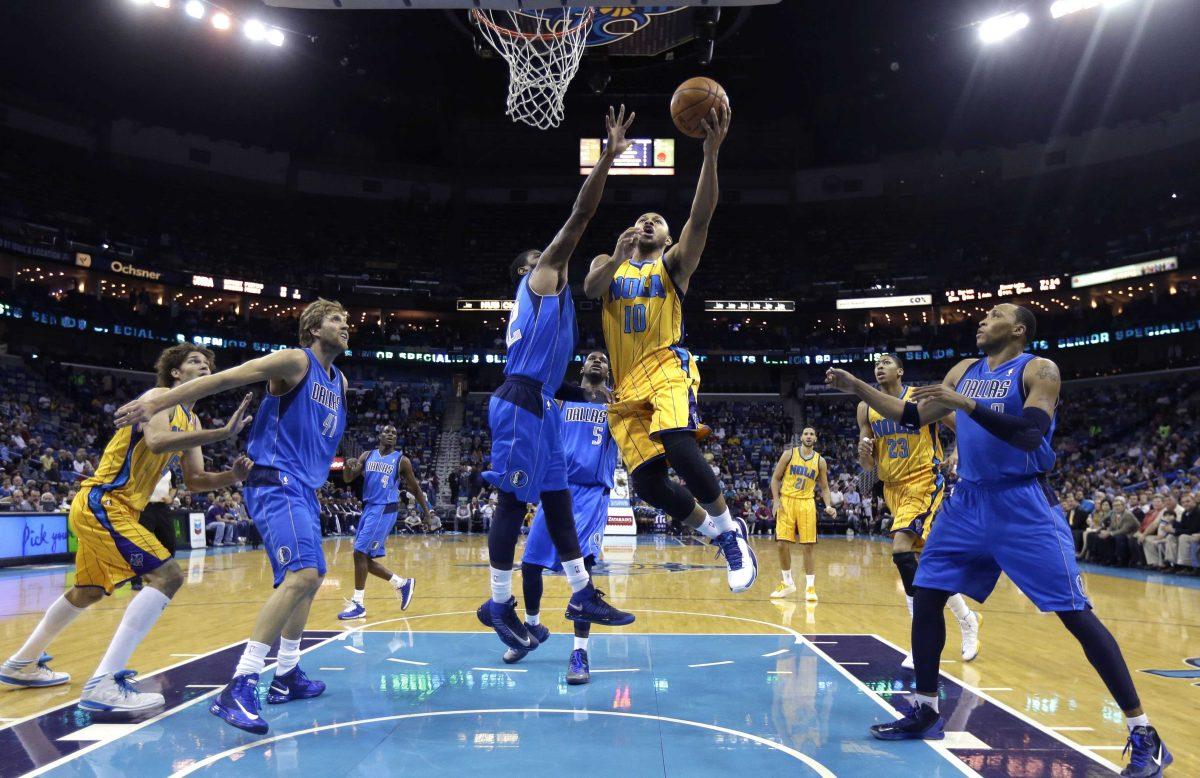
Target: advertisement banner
(32, 534)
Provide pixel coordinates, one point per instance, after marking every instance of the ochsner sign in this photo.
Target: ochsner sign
(133, 270)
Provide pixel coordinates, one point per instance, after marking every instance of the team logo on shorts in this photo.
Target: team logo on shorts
(284, 554)
(518, 478)
(374, 545)
(135, 560)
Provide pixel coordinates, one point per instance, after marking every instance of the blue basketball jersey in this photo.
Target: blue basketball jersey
(381, 476)
(541, 336)
(982, 457)
(588, 445)
(298, 432)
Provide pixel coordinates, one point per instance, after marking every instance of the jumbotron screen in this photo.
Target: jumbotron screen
(644, 157)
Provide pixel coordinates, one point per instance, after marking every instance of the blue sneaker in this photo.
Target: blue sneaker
(578, 671)
(503, 618)
(405, 592)
(588, 605)
(740, 559)
(920, 723)
(354, 610)
(293, 685)
(1148, 757)
(539, 631)
(238, 705)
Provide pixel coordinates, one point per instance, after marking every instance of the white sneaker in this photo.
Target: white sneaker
(743, 568)
(907, 664)
(970, 635)
(783, 590)
(810, 594)
(117, 693)
(32, 674)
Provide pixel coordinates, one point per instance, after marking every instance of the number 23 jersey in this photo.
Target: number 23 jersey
(904, 453)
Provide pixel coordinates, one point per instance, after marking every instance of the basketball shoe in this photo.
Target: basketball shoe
(356, 610)
(539, 631)
(921, 722)
(117, 693)
(32, 673)
(1148, 757)
(578, 671)
(238, 705)
(503, 618)
(588, 605)
(293, 685)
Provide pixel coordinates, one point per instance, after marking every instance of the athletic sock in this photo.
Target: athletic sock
(359, 596)
(787, 578)
(577, 574)
(140, 615)
(533, 618)
(924, 699)
(581, 643)
(501, 585)
(958, 606)
(396, 581)
(57, 617)
(810, 581)
(723, 522)
(1130, 721)
(708, 528)
(289, 655)
(253, 660)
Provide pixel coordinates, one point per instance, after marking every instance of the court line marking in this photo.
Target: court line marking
(355, 650)
(779, 672)
(191, 655)
(713, 664)
(853, 664)
(1072, 729)
(813, 764)
(1036, 725)
(499, 670)
(1105, 748)
(331, 669)
(995, 689)
(204, 686)
(407, 661)
(824, 642)
(619, 670)
(777, 653)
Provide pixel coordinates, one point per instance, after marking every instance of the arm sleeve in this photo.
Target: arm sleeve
(1026, 431)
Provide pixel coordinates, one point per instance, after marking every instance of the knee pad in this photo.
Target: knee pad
(906, 563)
(683, 453)
(652, 484)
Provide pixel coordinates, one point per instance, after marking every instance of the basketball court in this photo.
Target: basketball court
(704, 682)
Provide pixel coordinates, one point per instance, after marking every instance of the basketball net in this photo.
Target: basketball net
(543, 50)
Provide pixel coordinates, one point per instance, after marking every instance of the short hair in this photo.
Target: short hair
(172, 358)
(314, 314)
(892, 356)
(809, 427)
(522, 260)
(1025, 316)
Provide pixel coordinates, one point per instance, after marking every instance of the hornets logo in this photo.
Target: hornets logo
(612, 23)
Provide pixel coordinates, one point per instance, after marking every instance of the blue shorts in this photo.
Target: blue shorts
(288, 518)
(527, 452)
(374, 526)
(590, 505)
(1015, 529)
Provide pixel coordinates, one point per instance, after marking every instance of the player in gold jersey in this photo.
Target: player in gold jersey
(793, 496)
(113, 547)
(908, 461)
(641, 286)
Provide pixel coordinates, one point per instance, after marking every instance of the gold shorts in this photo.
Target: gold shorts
(913, 505)
(796, 520)
(657, 396)
(113, 546)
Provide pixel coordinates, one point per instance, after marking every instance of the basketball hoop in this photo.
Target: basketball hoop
(543, 50)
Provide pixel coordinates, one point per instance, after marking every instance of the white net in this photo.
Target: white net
(543, 50)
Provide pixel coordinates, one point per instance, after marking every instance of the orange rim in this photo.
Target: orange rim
(586, 19)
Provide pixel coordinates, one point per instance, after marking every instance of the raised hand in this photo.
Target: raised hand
(626, 244)
(238, 421)
(837, 378)
(716, 127)
(617, 125)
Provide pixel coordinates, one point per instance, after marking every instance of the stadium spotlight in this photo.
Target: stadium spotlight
(275, 37)
(998, 28)
(139, 2)
(220, 20)
(1061, 8)
(255, 30)
(194, 9)
(163, 3)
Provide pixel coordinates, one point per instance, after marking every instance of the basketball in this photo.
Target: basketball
(693, 100)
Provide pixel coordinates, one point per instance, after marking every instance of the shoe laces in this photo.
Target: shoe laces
(125, 682)
(44, 660)
(727, 546)
(1138, 743)
(350, 605)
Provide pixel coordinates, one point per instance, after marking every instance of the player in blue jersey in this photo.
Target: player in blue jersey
(293, 441)
(527, 463)
(1002, 517)
(381, 470)
(591, 456)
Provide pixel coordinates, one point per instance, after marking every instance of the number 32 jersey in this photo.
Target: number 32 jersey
(904, 453)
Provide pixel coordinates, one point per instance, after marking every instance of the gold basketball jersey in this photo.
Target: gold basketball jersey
(904, 453)
(800, 480)
(129, 470)
(642, 314)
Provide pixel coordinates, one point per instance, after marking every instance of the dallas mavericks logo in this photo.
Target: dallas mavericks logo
(1191, 674)
(284, 554)
(612, 24)
(518, 478)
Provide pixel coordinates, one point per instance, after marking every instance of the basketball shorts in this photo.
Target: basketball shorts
(913, 504)
(374, 526)
(658, 395)
(796, 520)
(527, 451)
(1015, 529)
(113, 545)
(288, 517)
(590, 505)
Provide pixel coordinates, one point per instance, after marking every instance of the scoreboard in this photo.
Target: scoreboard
(644, 157)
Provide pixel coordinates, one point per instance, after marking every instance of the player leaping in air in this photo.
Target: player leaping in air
(528, 464)
(1001, 518)
(653, 416)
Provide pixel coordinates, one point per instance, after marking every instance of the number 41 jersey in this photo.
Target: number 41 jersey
(904, 453)
(298, 432)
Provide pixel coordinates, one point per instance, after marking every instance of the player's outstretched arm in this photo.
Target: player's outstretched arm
(684, 257)
(866, 439)
(605, 266)
(411, 483)
(777, 477)
(160, 438)
(823, 482)
(918, 414)
(550, 273)
(197, 479)
(288, 365)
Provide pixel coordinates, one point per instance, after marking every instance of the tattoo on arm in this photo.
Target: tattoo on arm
(1048, 372)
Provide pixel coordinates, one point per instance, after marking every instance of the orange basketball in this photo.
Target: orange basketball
(693, 100)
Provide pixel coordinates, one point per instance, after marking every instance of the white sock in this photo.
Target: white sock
(708, 528)
(787, 578)
(1137, 721)
(909, 600)
(501, 585)
(577, 574)
(359, 596)
(289, 655)
(533, 618)
(253, 660)
(723, 522)
(397, 581)
(810, 581)
(958, 606)
(926, 700)
(581, 642)
(60, 613)
(140, 615)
